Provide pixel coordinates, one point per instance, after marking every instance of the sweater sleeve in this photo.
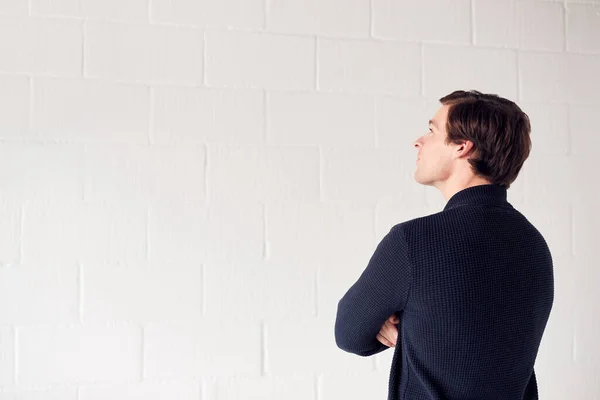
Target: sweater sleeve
(381, 290)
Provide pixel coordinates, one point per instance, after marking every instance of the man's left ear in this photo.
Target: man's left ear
(465, 148)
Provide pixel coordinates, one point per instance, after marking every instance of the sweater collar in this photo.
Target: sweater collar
(488, 194)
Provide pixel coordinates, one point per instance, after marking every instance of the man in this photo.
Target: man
(462, 295)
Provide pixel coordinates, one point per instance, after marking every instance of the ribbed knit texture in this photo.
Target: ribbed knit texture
(473, 286)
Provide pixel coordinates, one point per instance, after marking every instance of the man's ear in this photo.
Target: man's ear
(465, 149)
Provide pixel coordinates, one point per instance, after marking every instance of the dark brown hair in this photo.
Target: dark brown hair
(498, 128)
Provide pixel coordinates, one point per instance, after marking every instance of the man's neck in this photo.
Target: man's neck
(449, 189)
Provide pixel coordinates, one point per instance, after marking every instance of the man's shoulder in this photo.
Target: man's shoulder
(421, 222)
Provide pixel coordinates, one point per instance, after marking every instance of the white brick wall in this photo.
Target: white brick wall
(188, 187)
(84, 111)
(368, 67)
(139, 52)
(41, 46)
(78, 354)
(423, 21)
(127, 10)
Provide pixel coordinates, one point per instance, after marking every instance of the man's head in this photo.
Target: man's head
(473, 139)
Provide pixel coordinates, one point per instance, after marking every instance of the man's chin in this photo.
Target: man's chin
(419, 179)
(417, 176)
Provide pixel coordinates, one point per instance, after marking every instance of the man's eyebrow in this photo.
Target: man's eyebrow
(432, 122)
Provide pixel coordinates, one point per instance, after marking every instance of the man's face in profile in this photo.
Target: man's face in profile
(434, 156)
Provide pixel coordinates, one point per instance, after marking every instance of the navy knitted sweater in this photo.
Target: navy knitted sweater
(472, 285)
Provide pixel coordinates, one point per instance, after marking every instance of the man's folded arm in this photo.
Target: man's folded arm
(381, 290)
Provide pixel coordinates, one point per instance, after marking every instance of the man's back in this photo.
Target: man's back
(481, 295)
(473, 286)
